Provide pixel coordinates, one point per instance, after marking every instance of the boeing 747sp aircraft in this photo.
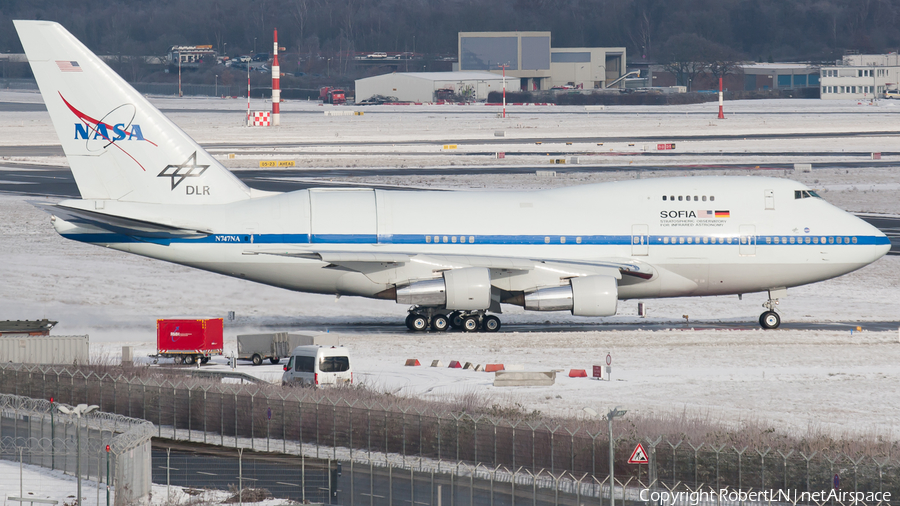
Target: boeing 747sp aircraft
(455, 256)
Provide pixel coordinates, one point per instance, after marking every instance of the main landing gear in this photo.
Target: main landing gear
(439, 320)
(769, 319)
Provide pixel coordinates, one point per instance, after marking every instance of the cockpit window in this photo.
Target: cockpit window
(805, 194)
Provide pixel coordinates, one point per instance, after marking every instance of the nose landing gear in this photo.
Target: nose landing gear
(770, 319)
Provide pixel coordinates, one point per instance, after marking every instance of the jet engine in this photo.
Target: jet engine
(585, 296)
(467, 289)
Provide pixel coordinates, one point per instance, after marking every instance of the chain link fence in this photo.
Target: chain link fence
(568, 455)
(103, 447)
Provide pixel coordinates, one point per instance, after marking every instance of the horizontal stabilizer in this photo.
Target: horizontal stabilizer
(117, 224)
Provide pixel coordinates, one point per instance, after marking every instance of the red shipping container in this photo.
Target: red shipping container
(189, 336)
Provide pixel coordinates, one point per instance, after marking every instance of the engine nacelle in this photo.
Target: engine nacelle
(585, 296)
(465, 289)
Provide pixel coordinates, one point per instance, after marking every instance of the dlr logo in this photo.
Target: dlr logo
(196, 190)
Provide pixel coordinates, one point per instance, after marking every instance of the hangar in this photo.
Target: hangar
(428, 86)
(535, 65)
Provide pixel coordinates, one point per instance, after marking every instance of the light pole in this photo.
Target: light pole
(217, 85)
(254, 46)
(613, 413)
(79, 411)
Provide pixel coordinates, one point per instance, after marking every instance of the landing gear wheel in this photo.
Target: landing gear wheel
(439, 323)
(416, 322)
(470, 324)
(491, 323)
(456, 320)
(769, 320)
(190, 359)
(256, 359)
(274, 360)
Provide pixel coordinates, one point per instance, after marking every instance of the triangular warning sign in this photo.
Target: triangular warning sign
(638, 456)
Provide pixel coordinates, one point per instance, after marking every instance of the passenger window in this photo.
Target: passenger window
(854, 240)
(578, 240)
(768, 240)
(679, 198)
(546, 240)
(846, 240)
(690, 240)
(807, 240)
(792, 240)
(453, 239)
(704, 198)
(427, 238)
(445, 238)
(471, 239)
(672, 198)
(664, 198)
(815, 240)
(562, 240)
(665, 240)
(831, 240)
(334, 364)
(305, 364)
(462, 238)
(681, 240)
(711, 198)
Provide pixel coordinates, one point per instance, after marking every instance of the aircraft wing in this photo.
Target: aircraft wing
(398, 268)
(117, 224)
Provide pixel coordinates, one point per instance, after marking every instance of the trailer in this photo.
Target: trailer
(188, 341)
(275, 346)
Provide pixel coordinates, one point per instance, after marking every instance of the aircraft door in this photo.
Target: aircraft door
(640, 240)
(342, 216)
(748, 240)
(770, 199)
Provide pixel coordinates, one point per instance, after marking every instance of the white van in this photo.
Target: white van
(318, 366)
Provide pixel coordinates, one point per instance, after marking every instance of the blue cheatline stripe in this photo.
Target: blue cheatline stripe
(534, 240)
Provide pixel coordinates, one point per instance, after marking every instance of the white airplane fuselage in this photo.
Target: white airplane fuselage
(762, 238)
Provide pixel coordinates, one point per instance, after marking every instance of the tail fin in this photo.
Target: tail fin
(118, 145)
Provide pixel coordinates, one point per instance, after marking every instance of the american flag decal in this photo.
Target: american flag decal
(68, 66)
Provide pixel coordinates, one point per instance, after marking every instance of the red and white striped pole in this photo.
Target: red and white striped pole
(249, 123)
(276, 86)
(721, 101)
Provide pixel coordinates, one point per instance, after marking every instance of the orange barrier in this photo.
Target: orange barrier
(493, 367)
(577, 373)
(454, 364)
(412, 361)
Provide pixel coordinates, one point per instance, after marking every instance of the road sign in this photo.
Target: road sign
(638, 456)
(608, 359)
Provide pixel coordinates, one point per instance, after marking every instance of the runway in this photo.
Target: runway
(650, 325)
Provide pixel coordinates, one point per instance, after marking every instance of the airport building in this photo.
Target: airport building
(429, 86)
(530, 60)
(861, 76)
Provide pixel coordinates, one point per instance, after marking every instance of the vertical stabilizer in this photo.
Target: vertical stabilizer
(118, 145)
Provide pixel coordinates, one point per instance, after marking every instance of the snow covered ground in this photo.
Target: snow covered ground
(41, 483)
(794, 380)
